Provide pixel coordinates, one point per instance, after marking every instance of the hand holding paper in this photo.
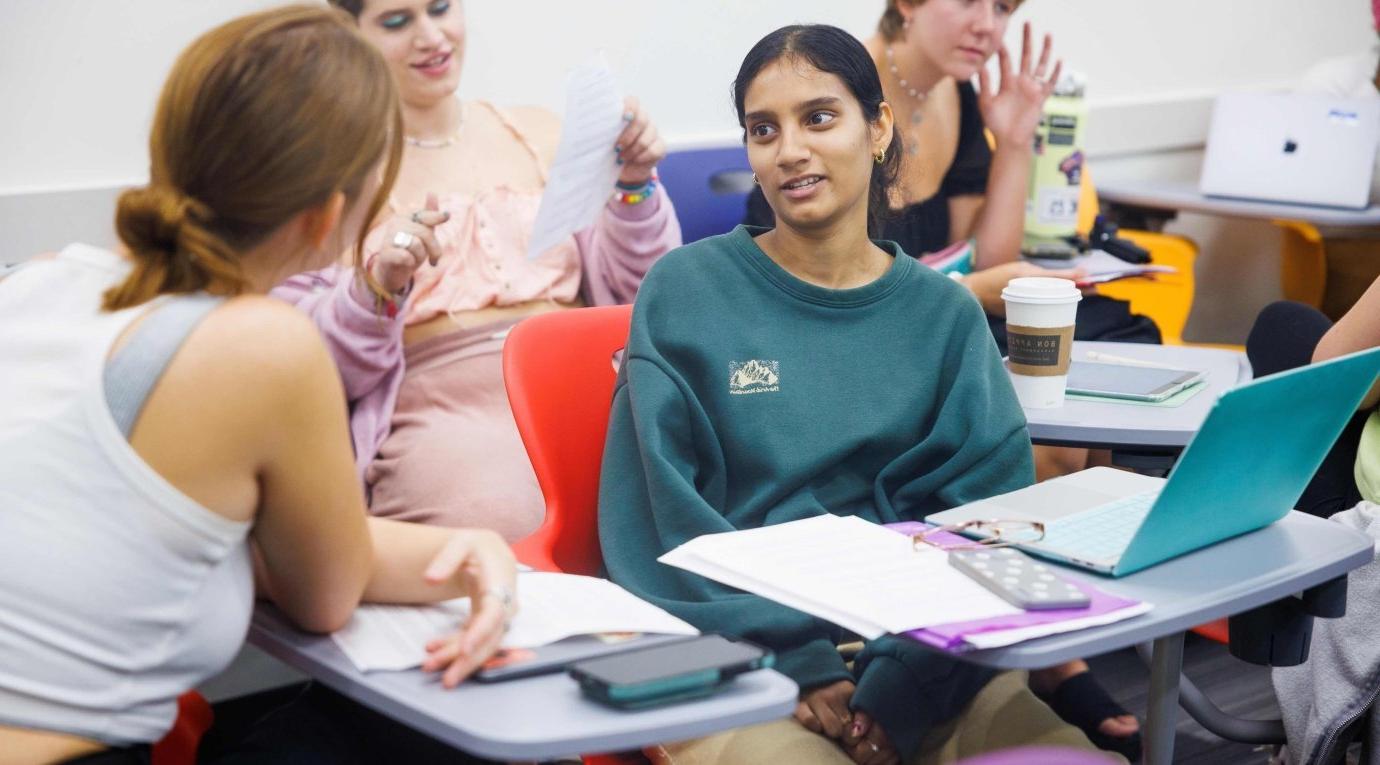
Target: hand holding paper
(586, 166)
(639, 146)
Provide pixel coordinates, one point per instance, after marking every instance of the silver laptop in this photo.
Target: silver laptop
(1244, 469)
(1295, 148)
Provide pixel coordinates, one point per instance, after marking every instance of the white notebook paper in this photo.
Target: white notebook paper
(580, 181)
(856, 574)
(552, 607)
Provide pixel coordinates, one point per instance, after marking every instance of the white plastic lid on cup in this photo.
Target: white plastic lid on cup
(1041, 290)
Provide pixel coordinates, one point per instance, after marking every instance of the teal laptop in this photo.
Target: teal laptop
(1246, 467)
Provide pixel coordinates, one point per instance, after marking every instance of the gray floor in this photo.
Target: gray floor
(1239, 688)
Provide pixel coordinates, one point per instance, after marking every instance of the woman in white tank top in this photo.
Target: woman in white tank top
(129, 557)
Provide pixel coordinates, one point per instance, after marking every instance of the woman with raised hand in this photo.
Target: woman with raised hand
(172, 436)
(954, 187)
(435, 440)
(776, 375)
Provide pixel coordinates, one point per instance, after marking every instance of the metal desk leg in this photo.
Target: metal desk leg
(1163, 713)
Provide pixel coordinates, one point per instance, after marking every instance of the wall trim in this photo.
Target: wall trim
(36, 219)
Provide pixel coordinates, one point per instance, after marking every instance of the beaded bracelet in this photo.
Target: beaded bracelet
(635, 194)
(387, 304)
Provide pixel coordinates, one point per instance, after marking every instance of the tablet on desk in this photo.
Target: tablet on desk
(1128, 382)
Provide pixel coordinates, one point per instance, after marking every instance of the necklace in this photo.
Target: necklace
(916, 115)
(437, 143)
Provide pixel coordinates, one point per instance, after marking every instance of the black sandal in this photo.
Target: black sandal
(1082, 702)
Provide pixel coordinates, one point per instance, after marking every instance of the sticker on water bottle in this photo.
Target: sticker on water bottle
(1057, 206)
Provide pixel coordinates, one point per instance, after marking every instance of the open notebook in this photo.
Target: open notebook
(870, 580)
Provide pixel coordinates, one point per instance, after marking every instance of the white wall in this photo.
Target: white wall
(79, 78)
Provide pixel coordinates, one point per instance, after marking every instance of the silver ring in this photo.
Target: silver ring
(874, 746)
(417, 218)
(403, 240)
(504, 595)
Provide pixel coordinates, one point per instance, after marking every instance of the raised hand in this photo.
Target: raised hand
(1012, 110)
(407, 242)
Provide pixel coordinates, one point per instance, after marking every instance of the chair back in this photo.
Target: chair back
(178, 746)
(558, 369)
(710, 188)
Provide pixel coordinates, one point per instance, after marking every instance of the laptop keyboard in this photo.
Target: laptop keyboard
(1101, 533)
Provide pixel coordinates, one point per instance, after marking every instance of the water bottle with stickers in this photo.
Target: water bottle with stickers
(1051, 208)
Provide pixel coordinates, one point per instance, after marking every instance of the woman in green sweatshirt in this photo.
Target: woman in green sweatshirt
(777, 375)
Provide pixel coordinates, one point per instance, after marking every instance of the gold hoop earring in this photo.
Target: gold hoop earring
(879, 157)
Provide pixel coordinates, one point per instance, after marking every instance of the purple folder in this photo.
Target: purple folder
(949, 637)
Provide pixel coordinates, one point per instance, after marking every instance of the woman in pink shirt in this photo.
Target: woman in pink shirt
(434, 437)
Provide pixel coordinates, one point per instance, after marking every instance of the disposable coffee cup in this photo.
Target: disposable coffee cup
(1040, 314)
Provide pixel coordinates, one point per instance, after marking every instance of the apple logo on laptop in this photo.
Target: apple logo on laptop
(1290, 146)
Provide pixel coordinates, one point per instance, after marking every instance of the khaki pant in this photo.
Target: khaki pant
(1004, 714)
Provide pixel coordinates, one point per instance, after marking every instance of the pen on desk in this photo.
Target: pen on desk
(1110, 359)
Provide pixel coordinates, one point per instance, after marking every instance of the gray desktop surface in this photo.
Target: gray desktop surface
(530, 719)
(546, 717)
(1115, 424)
(1224, 579)
(1184, 195)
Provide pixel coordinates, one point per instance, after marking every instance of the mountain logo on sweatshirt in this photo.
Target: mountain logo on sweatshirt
(755, 376)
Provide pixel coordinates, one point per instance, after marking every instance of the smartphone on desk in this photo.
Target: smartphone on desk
(1124, 381)
(517, 663)
(684, 669)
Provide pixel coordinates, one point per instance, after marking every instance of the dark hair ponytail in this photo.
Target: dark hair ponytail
(834, 51)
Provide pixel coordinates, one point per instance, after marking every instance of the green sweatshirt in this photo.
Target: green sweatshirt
(748, 397)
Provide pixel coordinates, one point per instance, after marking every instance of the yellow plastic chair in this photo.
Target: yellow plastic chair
(1302, 262)
(1168, 298)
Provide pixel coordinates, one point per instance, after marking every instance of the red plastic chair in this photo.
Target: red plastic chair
(559, 374)
(178, 747)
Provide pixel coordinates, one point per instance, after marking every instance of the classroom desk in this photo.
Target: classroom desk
(531, 719)
(1132, 427)
(1184, 196)
(1228, 578)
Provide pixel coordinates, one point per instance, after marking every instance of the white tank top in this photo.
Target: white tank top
(118, 593)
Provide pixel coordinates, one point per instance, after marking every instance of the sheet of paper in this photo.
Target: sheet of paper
(848, 570)
(582, 175)
(1011, 637)
(553, 607)
(684, 558)
(1099, 263)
